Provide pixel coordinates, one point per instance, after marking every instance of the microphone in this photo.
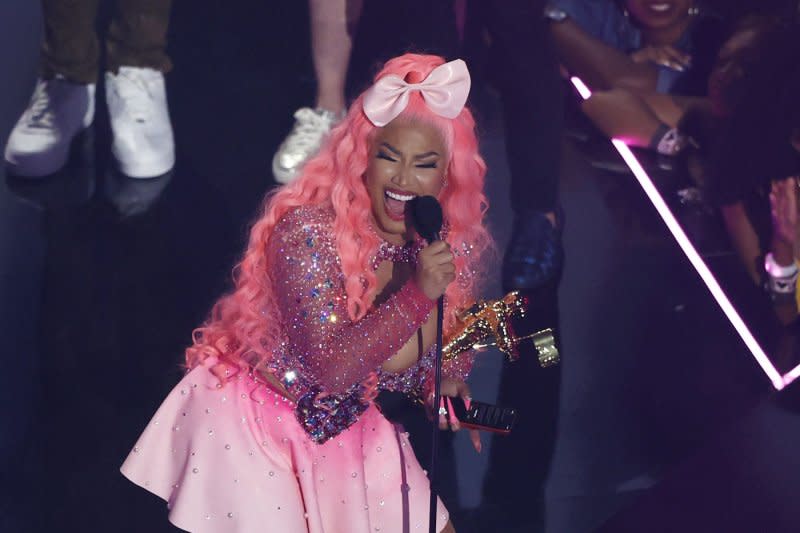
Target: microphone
(426, 216)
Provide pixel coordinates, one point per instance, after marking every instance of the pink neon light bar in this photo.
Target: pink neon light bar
(778, 381)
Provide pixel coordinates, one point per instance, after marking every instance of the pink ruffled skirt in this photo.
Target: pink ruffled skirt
(235, 459)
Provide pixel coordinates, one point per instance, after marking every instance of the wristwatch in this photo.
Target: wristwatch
(555, 14)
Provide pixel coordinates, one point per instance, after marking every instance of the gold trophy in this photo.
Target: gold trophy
(488, 323)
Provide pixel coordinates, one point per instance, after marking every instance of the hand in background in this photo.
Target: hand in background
(665, 56)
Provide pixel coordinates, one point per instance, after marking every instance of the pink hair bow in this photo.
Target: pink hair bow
(445, 92)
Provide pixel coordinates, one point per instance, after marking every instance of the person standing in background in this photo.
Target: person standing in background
(331, 44)
(63, 102)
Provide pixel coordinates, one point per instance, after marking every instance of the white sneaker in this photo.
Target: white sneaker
(310, 128)
(137, 106)
(39, 143)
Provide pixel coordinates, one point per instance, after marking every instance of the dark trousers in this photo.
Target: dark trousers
(519, 463)
(523, 65)
(388, 28)
(137, 37)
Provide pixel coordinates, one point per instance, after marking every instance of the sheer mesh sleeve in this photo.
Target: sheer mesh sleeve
(334, 351)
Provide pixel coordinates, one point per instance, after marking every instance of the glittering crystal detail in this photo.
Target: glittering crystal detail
(330, 354)
(289, 377)
(398, 254)
(324, 417)
(411, 380)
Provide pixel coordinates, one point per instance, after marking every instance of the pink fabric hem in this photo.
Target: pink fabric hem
(233, 459)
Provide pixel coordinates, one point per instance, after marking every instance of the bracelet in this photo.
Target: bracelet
(777, 271)
(782, 286)
(671, 142)
(781, 298)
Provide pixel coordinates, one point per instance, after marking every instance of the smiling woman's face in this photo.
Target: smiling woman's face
(406, 159)
(659, 14)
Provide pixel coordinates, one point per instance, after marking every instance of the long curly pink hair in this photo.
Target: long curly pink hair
(244, 326)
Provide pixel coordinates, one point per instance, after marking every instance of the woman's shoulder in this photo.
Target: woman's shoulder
(304, 225)
(306, 231)
(305, 217)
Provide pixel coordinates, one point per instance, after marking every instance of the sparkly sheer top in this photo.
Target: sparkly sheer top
(328, 361)
(331, 350)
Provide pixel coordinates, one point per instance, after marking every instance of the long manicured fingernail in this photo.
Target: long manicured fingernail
(452, 410)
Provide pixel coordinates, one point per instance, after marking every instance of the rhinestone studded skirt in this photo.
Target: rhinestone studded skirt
(235, 459)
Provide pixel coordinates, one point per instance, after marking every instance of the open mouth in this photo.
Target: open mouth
(395, 202)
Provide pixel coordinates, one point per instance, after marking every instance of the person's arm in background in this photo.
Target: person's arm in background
(747, 245)
(637, 118)
(670, 109)
(783, 206)
(621, 114)
(601, 66)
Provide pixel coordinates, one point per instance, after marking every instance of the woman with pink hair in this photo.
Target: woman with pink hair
(274, 425)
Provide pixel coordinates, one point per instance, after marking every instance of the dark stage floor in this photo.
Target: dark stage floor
(657, 419)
